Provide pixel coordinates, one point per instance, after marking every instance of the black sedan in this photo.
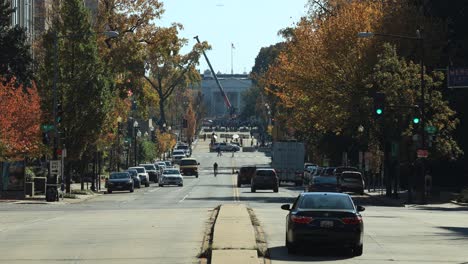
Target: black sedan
(324, 220)
(120, 181)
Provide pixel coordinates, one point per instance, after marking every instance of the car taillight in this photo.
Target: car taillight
(301, 219)
(352, 220)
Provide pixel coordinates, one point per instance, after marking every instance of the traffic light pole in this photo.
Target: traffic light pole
(423, 122)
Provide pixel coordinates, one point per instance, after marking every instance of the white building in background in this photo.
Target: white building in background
(234, 85)
(23, 15)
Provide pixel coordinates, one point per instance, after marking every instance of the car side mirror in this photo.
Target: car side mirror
(198, 163)
(360, 208)
(286, 207)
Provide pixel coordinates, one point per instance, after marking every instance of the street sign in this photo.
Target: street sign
(47, 128)
(430, 129)
(457, 78)
(55, 167)
(422, 153)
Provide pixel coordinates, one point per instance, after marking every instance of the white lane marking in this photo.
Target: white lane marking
(184, 198)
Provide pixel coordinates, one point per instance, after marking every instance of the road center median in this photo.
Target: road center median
(234, 236)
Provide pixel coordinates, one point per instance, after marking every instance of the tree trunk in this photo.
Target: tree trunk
(162, 113)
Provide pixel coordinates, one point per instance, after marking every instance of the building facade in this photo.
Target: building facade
(234, 85)
(23, 15)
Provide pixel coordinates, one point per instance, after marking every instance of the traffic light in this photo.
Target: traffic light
(59, 113)
(379, 104)
(416, 117)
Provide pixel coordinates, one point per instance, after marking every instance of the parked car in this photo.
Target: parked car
(143, 175)
(351, 181)
(189, 166)
(168, 163)
(185, 148)
(171, 176)
(323, 184)
(177, 155)
(323, 220)
(152, 172)
(136, 180)
(120, 181)
(244, 129)
(264, 179)
(309, 170)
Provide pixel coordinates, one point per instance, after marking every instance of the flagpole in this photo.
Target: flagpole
(232, 64)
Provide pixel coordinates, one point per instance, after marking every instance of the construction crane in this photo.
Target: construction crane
(231, 109)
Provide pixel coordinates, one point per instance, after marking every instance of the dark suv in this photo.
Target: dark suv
(264, 179)
(245, 174)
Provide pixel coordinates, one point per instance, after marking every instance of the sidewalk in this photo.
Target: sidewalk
(40, 199)
(401, 199)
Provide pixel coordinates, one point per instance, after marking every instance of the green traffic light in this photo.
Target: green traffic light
(379, 111)
(416, 120)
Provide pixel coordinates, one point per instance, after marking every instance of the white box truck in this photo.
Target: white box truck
(288, 161)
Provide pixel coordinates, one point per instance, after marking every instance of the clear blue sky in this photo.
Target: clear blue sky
(249, 24)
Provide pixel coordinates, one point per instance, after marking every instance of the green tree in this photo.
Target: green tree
(167, 68)
(15, 56)
(83, 83)
(400, 81)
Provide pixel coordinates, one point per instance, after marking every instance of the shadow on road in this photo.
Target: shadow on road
(442, 209)
(459, 232)
(305, 255)
(264, 199)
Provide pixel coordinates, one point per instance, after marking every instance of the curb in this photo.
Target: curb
(385, 202)
(459, 203)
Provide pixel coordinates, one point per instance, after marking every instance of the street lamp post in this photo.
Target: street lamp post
(422, 104)
(135, 127)
(119, 123)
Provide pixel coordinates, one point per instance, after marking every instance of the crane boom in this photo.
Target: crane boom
(228, 104)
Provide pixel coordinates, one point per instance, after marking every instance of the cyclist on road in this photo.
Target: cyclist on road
(215, 168)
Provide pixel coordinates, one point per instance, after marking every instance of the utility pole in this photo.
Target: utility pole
(423, 119)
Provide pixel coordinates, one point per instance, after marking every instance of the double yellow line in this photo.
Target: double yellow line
(236, 194)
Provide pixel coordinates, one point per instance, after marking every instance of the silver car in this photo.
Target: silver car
(351, 181)
(171, 176)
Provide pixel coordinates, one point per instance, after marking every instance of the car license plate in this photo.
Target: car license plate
(326, 224)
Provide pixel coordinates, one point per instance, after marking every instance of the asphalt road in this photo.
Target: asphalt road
(165, 225)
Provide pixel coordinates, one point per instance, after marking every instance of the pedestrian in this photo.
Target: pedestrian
(218, 149)
(204, 137)
(251, 142)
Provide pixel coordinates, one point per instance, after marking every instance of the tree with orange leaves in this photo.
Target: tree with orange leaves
(19, 120)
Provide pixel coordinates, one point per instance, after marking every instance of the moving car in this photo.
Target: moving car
(120, 181)
(189, 166)
(168, 163)
(245, 173)
(264, 179)
(223, 146)
(143, 175)
(328, 171)
(136, 180)
(171, 176)
(323, 184)
(152, 172)
(351, 181)
(324, 220)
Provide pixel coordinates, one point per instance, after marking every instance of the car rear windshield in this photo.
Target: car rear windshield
(171, 172)
(168, 163)
(188, 162)
(182, 147)
(323, 180)
(326, 202)
(149, 167)
(266, 173)
(178, 152)
(119, 176)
